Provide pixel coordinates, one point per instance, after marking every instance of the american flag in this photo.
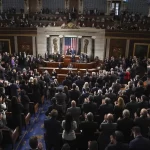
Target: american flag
(70, 42)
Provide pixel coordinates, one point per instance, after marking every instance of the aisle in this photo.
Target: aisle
(35, 129)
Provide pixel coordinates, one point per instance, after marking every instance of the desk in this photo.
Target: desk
(75, 65)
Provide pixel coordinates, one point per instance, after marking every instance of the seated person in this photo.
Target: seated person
(70, 66)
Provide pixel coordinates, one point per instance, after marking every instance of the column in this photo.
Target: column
(93, 47)
(39, 5)
(16, 44)
(127, 48)
(108, 7)
(149, 9)
(61, 43)
(1, 6)
(34, 45)
(67, 4)
(80, 6)
(26, 6)
(79, 45)
(48, 44)
(107, 47)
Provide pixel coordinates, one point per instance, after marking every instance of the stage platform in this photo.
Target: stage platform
(75, 65)
(62, 73)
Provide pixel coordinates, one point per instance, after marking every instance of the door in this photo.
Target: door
(73, 4)
(116, 7)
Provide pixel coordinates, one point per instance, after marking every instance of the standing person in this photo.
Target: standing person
(52, 127)
(139, 143)
(69, 126)
(17, 109)
(61, 99)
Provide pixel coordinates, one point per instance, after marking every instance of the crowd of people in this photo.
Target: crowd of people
(125, 21)
(102, 110)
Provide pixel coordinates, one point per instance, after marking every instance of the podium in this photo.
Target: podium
(67, 59)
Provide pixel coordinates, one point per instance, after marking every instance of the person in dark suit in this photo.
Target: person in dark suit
(116, 86)
(88, 128)
(90, 106)
(75, 111)
(132, 106)
(67, 82)
(74, 94)
(34, 145)
(98, 98)
(13, 89)
(61, 99)
(107, 128)
(84, 95)
(53, 128)
(116, 142)
(105, 108)
(143, 122)
(139, 143)
(125, 125)
(56, 107)
(139, 90)
(79, 82)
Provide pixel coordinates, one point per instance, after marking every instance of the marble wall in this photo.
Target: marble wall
(84, 32)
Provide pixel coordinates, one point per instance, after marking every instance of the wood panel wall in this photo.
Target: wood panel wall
(11, 40)
(132, 42)
(25, 44)
(117, 47)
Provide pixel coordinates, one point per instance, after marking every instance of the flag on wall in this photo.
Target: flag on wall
(70, 42)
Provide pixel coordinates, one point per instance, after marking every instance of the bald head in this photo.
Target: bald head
(144, 112)
(73, 103)
(110, 117)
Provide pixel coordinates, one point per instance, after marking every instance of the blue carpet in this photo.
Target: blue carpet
(36, 128)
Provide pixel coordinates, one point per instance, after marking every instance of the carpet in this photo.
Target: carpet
(36, 128)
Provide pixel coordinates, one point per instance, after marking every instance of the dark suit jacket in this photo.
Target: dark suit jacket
(117, 146)
(125, 125)
(57, 107)
(144, 124)
(104, 138)
(61, 97)
(53, 128)
(139, 91)
(74, 95)
(140, 143)
(88, 129)
(90, 107)
(75, 112)
(132, 107)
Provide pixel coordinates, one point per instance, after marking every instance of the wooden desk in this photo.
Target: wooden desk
(75, 65)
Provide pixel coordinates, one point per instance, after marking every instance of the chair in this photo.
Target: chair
(10, 137)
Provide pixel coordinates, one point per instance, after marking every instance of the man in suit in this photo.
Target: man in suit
(75, 111)
(116, 86)
(90, 106)
(116, 142)
(139, 90)
(105, 108)
(84, 95)
(74, 94)
(139, 143)
(54, 106)
(125, 125)
(52, 127)
(61, 99)
(88, 128)
(132, 106)
(143, 122)
(107, 127)
(79, 82)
